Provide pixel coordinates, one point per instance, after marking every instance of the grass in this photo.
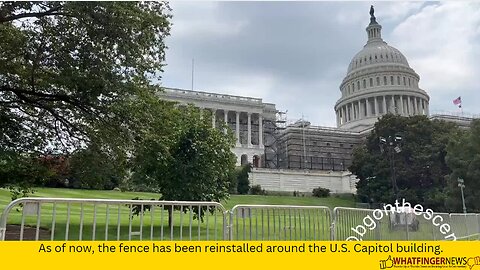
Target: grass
(75, 221)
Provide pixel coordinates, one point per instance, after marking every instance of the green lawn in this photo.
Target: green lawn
(115, 222)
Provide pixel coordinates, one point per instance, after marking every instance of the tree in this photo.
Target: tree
(66, 69)
(193, 162)
(91, 168)
(464, 159)
(243, 184)
(420, 167)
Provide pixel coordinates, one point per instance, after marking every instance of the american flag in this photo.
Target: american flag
(458, 101)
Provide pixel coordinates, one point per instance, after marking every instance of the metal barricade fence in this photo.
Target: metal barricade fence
(465, 226)
(103, 219)
(354, 222)
(280, 222)
(378, 224)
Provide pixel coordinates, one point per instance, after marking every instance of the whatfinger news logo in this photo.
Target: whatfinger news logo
(472, 263)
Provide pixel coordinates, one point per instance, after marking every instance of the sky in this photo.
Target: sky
(296, 54)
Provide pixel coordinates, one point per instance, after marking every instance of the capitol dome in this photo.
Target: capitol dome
(379, 80)
(377, 53)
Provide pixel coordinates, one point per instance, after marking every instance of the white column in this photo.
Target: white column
(360, 114)
(249, 130)
(260, 130)
(409, 107)
(417, 110)
(367, 104)
(338, 117)
(384, 105)
(237, 128)
(225, 116)
(352, 113)
(376, 105)
(346, 113)
(393, 104)
(214, 113)
(427, 107)
(401, 105)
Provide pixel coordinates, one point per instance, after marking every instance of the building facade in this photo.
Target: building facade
(248, 118)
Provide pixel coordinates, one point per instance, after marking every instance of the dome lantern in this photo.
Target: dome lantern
(374, 30)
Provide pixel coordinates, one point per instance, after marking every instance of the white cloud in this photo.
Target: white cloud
(441, 42)
(202, 18)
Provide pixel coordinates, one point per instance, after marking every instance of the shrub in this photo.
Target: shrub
(321, 192)
(257, 190)
(243, 184)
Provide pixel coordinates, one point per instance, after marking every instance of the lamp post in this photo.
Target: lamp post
(392, 146)
(461, 184)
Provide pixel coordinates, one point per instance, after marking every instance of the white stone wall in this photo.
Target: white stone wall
(303, 181)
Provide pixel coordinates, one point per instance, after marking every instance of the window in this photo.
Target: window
(364, 83)
(358, 85)
(404, 81)
(378, 81)
(376, 57)
(371, 82)
(398, 80)
(348, 89)
(328, 144)
(409, 82)
(341, 145)
(391, 80)
(384, 80)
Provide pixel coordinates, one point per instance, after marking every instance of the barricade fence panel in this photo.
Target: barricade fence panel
(280, 222)
(92, 219)
(103, 219)
(465, 226)
(401, 224)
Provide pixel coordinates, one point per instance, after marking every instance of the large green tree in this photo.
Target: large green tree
(464, 159)
(189, 161)
(420, 167)
(69, 70)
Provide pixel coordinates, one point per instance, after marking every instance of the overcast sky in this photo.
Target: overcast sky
(296, 54)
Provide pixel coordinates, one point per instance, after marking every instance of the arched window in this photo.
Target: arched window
(358, 85)
(398, 80)
(371, 82)
(378, 81)
(364, 83)
(404, 81)
(409, 82)
(384, 80)
(391, 80)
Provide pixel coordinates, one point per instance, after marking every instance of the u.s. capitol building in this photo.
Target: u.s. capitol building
(301, 156)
